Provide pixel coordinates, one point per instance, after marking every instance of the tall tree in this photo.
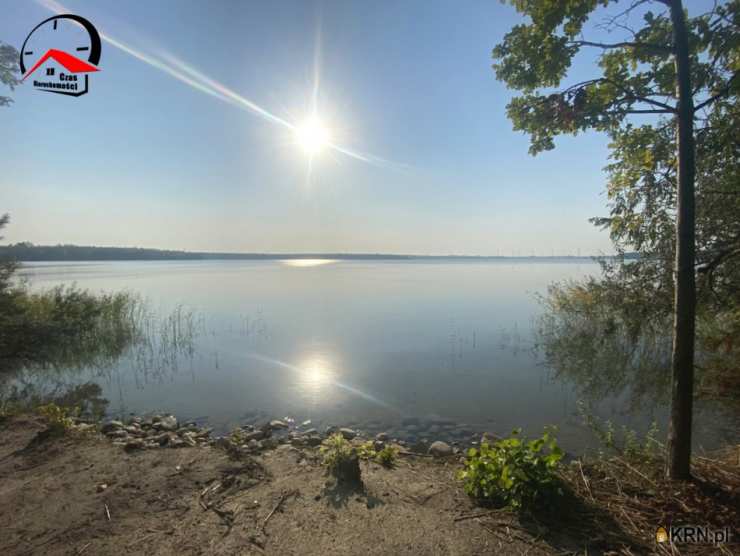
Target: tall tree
(669, 72)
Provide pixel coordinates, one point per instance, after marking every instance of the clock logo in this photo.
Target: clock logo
(47, 53)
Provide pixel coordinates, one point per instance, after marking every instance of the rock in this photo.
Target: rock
(101, 487)
(313, 440)
(306, 423)
(167, 423)
(117, 433)
(223, 442)
(309, 432)
(489, 438)
(133, 430)
(440, 449)
(176, 442)
(348, 434)
(134, 444)
(378, 445)
(331, 429)
(253, 445)
(109, 426)
(278, 424)
(188, 439)
(254, 435)
(382, 436)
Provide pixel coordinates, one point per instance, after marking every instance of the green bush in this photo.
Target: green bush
(387, 456)
(513, 472)
(336, 451)
(57, 417)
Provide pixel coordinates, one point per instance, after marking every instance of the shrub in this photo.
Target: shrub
(513, 472)
(336, 449)
(387, 456)
(58, 418)
(341, 459)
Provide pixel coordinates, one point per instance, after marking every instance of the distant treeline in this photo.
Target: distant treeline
(30, 252)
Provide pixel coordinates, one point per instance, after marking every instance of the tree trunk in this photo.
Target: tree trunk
(682, 364)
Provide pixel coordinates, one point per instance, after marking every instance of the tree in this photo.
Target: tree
(670, 72)
(9, 70)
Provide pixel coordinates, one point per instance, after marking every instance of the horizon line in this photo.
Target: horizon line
(290, 255)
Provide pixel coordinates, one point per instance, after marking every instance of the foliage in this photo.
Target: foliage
(626, 442)
(58, 418)
(513, 472)
(9, 70)
(386, 456)
(615, 331)
(637, 80)
(336, 451)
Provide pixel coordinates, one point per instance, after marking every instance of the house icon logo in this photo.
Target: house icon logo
(47, 55)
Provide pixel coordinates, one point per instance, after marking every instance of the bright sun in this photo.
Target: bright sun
(312, 136)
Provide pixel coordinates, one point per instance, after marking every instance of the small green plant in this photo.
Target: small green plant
(626, 442)
(341, 459)
(58, 418)
(513, 472)
(336, 450)
(387, 456)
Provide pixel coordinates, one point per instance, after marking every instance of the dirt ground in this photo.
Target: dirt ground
(199, 501)
(81, 494)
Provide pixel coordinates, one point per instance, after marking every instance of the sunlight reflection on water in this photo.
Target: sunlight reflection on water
(301, 263)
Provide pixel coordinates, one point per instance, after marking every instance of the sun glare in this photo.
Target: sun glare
(312, 136)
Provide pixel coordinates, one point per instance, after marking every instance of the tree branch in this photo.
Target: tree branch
(607, 46)
(725, 90)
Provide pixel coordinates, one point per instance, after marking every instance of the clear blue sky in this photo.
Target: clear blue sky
(147, 160)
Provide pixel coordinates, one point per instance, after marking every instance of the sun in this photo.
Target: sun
(312, 136)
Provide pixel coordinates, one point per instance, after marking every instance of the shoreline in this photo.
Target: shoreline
(158, 486)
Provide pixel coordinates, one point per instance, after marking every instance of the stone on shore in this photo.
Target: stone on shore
(109, 426)
(348, 434)
(167, 423)
(440, 449)
(278, 424)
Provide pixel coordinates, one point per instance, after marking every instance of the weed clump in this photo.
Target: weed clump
(58, 418)
(341, 460)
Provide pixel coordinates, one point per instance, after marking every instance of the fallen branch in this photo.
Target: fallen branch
(283, 498)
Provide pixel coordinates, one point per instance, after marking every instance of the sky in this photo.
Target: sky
(427, 162)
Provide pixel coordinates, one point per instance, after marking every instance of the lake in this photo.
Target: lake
(421, 349)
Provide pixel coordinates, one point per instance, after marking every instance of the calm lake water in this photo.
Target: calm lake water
(423, 350)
